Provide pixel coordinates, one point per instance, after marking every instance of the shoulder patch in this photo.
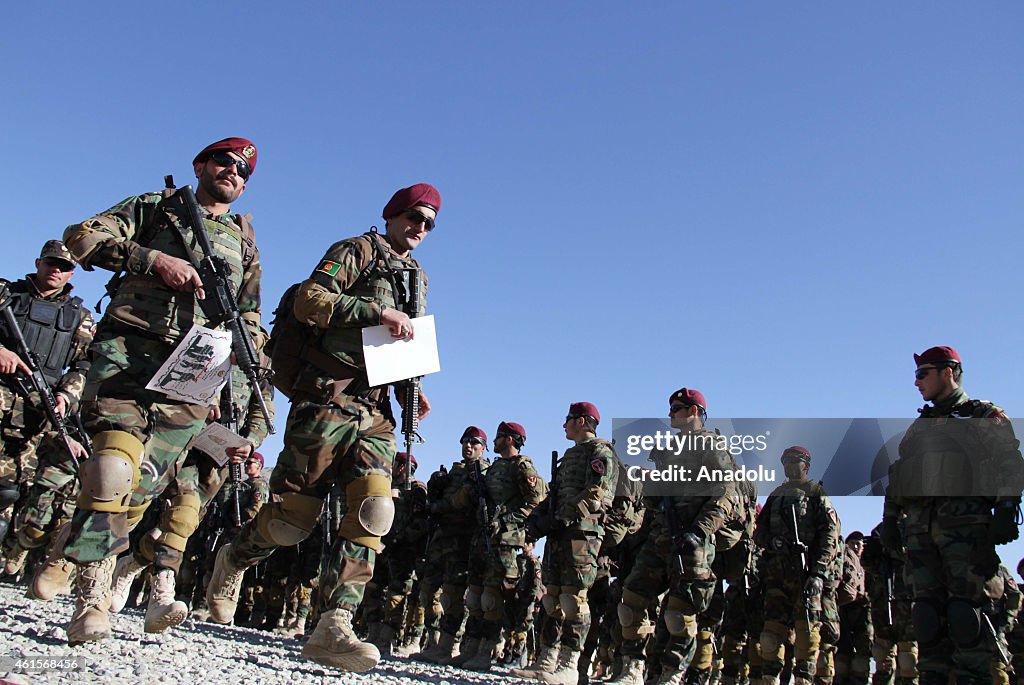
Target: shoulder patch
(532, 482)
(599, 466)
(328, 267)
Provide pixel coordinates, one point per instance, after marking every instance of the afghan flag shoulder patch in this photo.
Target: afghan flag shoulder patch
(328, 267)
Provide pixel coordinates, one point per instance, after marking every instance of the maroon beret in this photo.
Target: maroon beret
(258, 457)
(407, 198)
(584, 409)
(689, 396)
(801, 453)
(937, 355)
(404, 457)
(240, 146)
(509, 427)
(473, 432)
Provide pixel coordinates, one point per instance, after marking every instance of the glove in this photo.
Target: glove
(690, 541)
(1004, 523)
(813, 587)
(889, 534)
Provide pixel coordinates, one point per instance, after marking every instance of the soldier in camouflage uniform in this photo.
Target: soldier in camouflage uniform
(449, 547)
(894, 649)
(528, 591)
(680, 551)
(582, 494)
(829, 625)
(340, 430)
(140, 435)
(793, 589)
(58, 329)
(514, 489)
(957, 484)
(856, 635)
(1002, 614)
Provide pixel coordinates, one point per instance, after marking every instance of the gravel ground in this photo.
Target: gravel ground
(194, 652)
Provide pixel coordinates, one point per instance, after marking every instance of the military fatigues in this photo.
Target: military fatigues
(403, 546)
(829, 624)
(856, 633)
(59, 329)
(783, 577)
(144, 322)
(894, 648)
(952, 561)
(339, 429)
(683, 569)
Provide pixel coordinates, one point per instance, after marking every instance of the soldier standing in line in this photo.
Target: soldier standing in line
(584, 487)
(514, 489)
(58, 328)
(856, 635)
(829, 626)
(456, 514)
(957, 485)
(1003, 612)
(797, 564)
(340, 429)
(430, 568)
(894, 648)
(155, 302)
(680, 550)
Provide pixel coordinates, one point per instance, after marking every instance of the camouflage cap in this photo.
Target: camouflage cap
(801, 453)
(56, 249)
(937, 355)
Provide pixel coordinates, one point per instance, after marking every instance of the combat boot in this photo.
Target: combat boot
(632, 671)
(567, 671)
(92, 598)
(439, 651)
(384, 638)
(126, 571)
(467, 650)
(481, 661)
(672, 677)
(334, 643)
(696, 676)
(225, 584)
(545, 662)
(15, 559)
(52, 579)
(163, 611)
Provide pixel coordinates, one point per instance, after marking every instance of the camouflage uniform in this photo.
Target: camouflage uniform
(404, 545)
(952, 560)
(853, 660)
(829, 627)
(1002, 614)
(786, 607)
(894, 648)
(59, 329)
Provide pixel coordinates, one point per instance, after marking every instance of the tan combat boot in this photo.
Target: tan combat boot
(481, 661)
(632, 671)
(54, 576)
(334, 643)
(545, 662)
(14, 561)
(567, 670)
(439, 651)
(225, 584)
(92, 597)
(163, 611)
(467, 650)
(384, 639)
(125, 572)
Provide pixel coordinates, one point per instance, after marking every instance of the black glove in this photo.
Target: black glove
(1004, 523)
(813, 587)
(889, 534)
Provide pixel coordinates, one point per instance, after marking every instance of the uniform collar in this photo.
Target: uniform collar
(31, 279)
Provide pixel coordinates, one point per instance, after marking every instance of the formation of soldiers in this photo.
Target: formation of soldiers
(101, 487)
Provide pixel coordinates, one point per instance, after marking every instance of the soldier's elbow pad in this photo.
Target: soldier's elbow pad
(112, 473)
(371, 510)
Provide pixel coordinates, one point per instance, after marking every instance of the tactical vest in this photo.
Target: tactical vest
(573, 475)
(145, 301)
(49, 328)
(806, 496)
(460, 499)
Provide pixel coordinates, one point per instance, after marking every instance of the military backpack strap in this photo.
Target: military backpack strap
(248, 238)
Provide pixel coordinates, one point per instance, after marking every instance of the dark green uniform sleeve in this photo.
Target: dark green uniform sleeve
(107, 240)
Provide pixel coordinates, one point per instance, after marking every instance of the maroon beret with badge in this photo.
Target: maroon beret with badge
(584, 409)
(258, 457)
(422, 194)
(509, 427)
(801, 453)
(473, 432)
(240, 146)
(937, 355)
(689, 396)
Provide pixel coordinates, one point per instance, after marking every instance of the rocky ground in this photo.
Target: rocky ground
(194, 652)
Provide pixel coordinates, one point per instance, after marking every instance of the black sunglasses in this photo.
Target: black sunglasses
(676, 406)
(225, 160)
(58, 263)
(923, 372)
(419, 218)
(472, 441)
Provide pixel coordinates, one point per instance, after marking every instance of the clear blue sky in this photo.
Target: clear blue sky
(774, 203)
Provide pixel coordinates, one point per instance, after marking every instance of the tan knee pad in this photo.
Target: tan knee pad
(492, 604)
(884, 653)
(179, 521)
(30, 537)
(705, 656)
(772, 643)
(808, 641)
(289, 521)
(136, 512)
(906, 659)
(452, 596)
(631, 610)
(112, 473)
(678, 621)
(370, 510)
(551, 606)
(574, 605)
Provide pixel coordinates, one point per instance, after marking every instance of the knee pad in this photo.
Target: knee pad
(492, 604)
(135, 513)
(551, 607)
(574, 606)
(451, 596)
(179, 521)
(926, 615)
(289, 521)
(474, 599)
(631, 611)
(30, 537)
(370, 510)
(678, 621)
(884, 653)
(808, 640)
(825, 666)
(906, 660)
(772, 643)
(112, 473)
(705, 655)
(964, 623)
(860, 665)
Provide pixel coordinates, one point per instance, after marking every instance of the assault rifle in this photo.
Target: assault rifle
(1004, 656)
(482, 502)
(230, 416)
(885, 568)
(219, 305)
(802, 548)
(672, 521)
(411, 391)
(39, 384)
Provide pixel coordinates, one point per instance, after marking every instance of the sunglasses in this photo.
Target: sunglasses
(924, 371)
(59, 264)
(472, 441)
(676, 406)
(418, 218)
(225, 160)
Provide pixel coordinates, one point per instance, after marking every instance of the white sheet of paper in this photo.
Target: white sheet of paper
(198, 367)
(389, 360)
(215, 439)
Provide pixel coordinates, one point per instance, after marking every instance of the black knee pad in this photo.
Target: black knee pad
(964, 623)
(928, 618)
